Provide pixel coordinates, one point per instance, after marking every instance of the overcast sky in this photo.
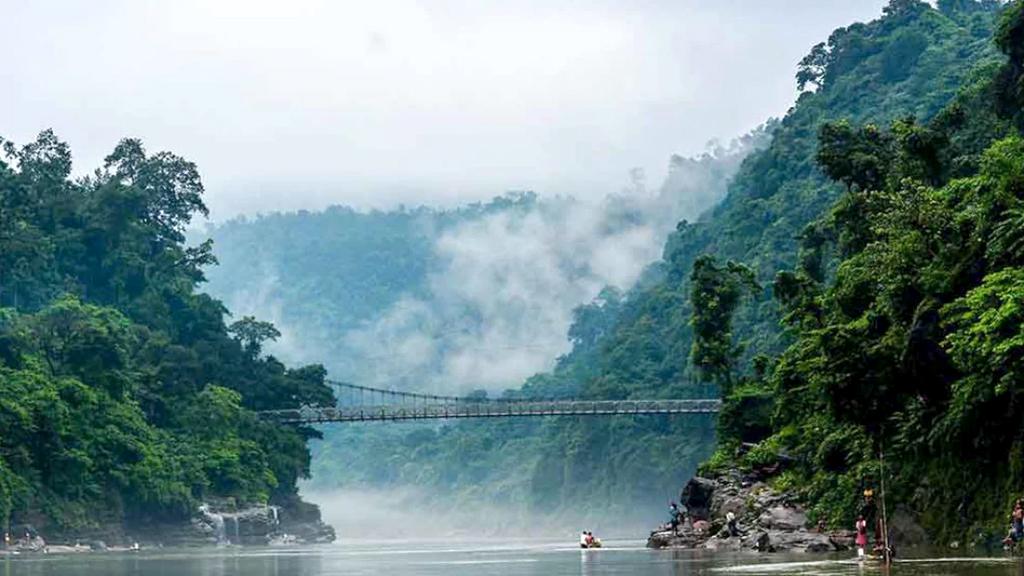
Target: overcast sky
(302, 103)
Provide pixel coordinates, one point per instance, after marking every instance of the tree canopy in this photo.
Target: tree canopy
(124, 396)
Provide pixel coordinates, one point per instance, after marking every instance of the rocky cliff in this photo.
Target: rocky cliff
(766, 520)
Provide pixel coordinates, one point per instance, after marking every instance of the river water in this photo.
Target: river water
(526, 558)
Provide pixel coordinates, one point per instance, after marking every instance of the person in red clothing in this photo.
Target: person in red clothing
(862, 536)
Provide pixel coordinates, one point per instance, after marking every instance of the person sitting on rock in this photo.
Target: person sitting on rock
(730, 524)
(583, 539)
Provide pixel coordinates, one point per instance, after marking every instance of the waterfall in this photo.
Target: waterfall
(274, 519)
(231, 532)
(217, 520)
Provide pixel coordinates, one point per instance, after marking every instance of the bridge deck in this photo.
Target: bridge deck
(491, 409)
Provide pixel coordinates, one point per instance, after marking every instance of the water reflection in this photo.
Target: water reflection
(485, 559)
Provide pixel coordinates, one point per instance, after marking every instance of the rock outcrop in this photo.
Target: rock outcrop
(766, 520)
(219, 522)
(258, 525)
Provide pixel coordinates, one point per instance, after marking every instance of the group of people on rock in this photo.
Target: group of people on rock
(676, 518)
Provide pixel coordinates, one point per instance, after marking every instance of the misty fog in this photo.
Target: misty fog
(499, 296)
(411, 513)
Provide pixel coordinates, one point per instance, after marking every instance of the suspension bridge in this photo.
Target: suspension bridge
(365, 404)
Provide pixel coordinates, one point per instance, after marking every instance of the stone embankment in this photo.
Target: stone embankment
(766, 520)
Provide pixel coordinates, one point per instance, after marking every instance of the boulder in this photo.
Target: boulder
(696, 497)
(800, 541)
(843, 539)
(725, 543)
(730, 503)
(670, 539)
(761, 542)
(783, 518)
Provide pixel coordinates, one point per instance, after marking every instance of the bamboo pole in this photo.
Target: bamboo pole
(885, 522)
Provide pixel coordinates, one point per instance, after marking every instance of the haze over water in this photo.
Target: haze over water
(482, 558)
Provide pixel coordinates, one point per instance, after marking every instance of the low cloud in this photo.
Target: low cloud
(498, 297)
(499, 305)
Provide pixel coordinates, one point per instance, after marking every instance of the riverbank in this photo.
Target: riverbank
(215, 523)
(766, 519)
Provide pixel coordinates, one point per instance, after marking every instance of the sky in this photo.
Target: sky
(305, 103)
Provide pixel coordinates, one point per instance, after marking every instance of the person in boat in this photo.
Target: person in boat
(673, 516)
(1016, 524)
(584, 539)
(862, 536)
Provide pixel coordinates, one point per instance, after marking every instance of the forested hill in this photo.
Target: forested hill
(905, 318)
(910, 62)
(126, 400)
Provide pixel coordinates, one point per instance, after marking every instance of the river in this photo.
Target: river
(485, 558)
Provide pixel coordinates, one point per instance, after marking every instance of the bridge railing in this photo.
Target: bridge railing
(491, 409)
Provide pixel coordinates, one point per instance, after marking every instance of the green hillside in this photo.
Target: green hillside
(126, 399)
(905, 318)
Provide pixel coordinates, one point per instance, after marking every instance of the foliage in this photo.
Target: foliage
(914, 346)
(123, 396)
(715, 292)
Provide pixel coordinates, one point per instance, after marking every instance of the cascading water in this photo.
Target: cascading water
(217, 521)
(234, 522)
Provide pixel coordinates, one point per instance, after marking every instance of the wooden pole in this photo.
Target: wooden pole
(885, 522)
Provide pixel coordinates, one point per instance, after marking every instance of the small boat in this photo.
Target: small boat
(591, 542)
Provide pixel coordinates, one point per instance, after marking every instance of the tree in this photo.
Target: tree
(812, 67)
(252, 333)
(857, 157)
(107, 352)
(715, 292)
(169, 185)
(902, 8)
